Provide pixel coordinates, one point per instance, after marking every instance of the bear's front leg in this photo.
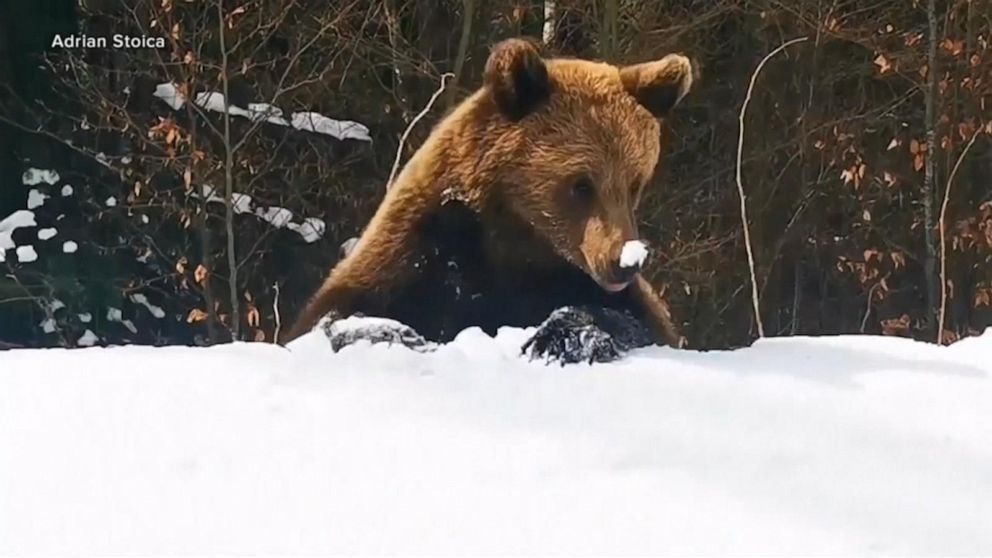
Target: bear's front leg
(656, 313)
(358, 327)
(587, 334)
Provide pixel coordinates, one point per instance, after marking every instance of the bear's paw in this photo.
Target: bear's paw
(357, 327)
(586, 334)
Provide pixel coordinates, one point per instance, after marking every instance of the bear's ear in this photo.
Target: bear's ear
(517, 77)
(659, 85)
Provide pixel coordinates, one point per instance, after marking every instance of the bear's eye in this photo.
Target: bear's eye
(583, 189)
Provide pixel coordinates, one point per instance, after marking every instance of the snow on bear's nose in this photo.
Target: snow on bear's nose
(633, 255)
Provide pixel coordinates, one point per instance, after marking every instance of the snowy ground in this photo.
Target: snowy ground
(799, 446)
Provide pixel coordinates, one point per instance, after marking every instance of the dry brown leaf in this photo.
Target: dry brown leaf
(896, 326)
(196, 316)
(883, 64)
(253, 316)
(200, 275)
(898, 259)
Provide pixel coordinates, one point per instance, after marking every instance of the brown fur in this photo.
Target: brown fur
(512, 153)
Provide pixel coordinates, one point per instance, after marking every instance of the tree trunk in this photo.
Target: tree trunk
(608, 31)
(463, 43)
(548, 32)
(232, 259)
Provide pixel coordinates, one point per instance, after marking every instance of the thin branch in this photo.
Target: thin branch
(275, 310)
(871, 294)
(430, 103)
(943, 236)
(740, 185)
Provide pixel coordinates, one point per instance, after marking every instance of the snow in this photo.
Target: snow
(47, 233)
(311, 229)
(111, 201)
(835, 445)
(26, 254)
(169, 93)
(278, 217)
(36, 199)
(33, 177)
(47, 325)
(211, 101)
(85, 317)
(87, 339)
(69, 247)
(308, 121)
(141, 299)
(272, 114)
(66, 191)
(114, 314)
(240, 203)
(12, 222)
(633, 254)
(341, 129)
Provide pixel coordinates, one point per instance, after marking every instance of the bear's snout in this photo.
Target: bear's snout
(625, 266)
(622, 275)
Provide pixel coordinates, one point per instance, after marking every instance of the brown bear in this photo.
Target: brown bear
(520, 202)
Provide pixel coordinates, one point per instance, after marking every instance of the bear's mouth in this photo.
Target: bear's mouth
(614, 287)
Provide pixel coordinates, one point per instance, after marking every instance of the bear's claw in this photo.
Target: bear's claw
(583, 334)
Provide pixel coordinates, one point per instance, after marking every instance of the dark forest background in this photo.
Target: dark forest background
(866, 157)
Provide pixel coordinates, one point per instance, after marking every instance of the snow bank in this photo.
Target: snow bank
(850, 445)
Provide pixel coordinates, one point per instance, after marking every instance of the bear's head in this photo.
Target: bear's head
(574, 143)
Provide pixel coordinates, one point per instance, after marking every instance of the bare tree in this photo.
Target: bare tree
(464, 40)
(550, 19)
(232, 255)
